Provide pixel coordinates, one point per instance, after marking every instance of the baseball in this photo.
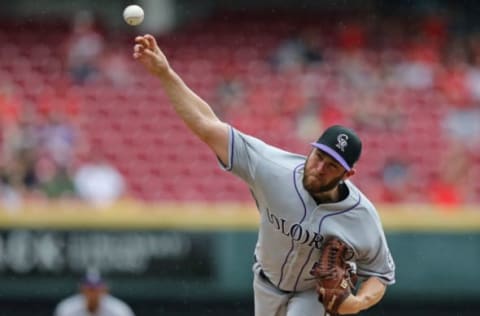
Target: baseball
(133, 14)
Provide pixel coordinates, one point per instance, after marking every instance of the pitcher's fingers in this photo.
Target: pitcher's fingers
(151, 41)
(149, 53)
(142, 41)
(146, 53)
(138, 48)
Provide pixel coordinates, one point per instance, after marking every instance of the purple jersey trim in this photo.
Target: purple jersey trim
(319, 233)
(295, 184)
(332, 153)
(337, 213)
(232, 146)
(376, 274)
(303, 268)
(303, 218)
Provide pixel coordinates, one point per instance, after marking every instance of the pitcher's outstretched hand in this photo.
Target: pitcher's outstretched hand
(147, 52)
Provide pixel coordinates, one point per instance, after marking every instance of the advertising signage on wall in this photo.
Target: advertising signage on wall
(166, 254)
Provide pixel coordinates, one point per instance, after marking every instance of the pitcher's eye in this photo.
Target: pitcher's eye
(332, 166)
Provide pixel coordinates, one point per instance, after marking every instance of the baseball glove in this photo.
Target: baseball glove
(335, 277)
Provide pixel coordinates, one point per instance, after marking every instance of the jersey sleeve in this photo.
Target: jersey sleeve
(378, 262)
(244, 154)
(63, 308)
(57, 312)
(127, 311)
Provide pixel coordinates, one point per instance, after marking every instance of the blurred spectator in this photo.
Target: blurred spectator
(21, 139)
(473, 72)
(19, 171)
(61, 100)
(98, 182)
(414, 74)
(59, 139)
(229, 95)
(18, 158)
(93, 299)
(309, 121)
(83, 48)
(54, 182)
(10, 197)
(114, 66)
(452, 77)
(10, 105)
(454, 184)
(15, 137)
(397, 180)
(462, 125)
(298, 51)
(377, 113)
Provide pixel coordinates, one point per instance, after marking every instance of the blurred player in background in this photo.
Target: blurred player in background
(93, 299)
(301, 201)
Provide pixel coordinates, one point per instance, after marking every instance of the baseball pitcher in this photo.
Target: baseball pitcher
(318, 232)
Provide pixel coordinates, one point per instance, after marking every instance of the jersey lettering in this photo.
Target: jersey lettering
(317, 239)
(283, 227)
(295, 231)
(274, 220)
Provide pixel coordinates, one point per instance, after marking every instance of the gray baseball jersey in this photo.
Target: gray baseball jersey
(109, 306)
(292, 225)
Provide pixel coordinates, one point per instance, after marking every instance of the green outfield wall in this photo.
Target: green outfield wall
(207, 265)
(203, 253)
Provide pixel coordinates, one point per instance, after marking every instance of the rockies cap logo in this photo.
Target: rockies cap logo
(342, 142)
(334, 141)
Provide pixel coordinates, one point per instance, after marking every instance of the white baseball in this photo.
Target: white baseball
(133, 14)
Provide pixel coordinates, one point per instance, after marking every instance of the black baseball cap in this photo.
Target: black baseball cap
(342, 144)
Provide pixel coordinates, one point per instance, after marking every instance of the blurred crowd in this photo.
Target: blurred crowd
(410, 87)
(45, 156)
